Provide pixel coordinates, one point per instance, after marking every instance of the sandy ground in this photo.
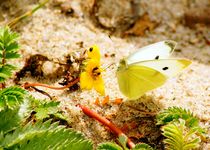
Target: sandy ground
(53, 34)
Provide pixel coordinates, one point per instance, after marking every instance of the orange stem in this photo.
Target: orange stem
(27, 85)
(106, 122)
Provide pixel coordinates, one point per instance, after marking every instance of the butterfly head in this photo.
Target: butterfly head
(171, 44)
(122, 65)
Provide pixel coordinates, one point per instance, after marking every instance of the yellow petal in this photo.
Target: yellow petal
(94, 53)
(91, 64)
(86, 82)
(99, 85)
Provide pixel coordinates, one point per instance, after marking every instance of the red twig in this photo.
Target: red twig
(105, 122)
(27, 85)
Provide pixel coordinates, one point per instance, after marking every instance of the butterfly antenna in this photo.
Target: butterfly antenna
(108, 66)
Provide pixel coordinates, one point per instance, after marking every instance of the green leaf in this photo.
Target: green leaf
(174, 114)
(10, 119)
(12, 47)
(44, 110)
(11, 55)
(45, 136)
(123, 141)
(8, 39)
(142, 146)
(109, 146)
(178, 136)
(6, 72)
(8, 50)
(11, 97)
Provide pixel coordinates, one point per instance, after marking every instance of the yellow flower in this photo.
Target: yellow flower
(92, 78)
(94, 52)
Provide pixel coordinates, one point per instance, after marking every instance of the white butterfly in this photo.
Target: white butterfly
(148, 68)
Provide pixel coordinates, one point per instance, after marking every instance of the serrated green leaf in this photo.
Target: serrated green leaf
(174, 114)
(178, 136)
(11, 97)
(7, 37)
(8, 50)
(10, 119)
(109, 146)
(45, 136)
(44, 110)
(12, 47)
(142, 146)
(6, 72)
(4, 75)
(11, 55)
(60, 116)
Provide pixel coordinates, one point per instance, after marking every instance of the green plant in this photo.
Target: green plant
(181, 129)
(179, 137)
(11, 97)
(44, 135)
(44, 109)
(114, 146)
(175, 113)
(8, 50)
(122, 141)
(15, 134)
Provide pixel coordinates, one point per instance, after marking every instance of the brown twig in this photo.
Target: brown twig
(42, 92)
(106, 122)
(27, 85)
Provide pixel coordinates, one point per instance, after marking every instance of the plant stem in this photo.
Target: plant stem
(27, 85)
(3, 57)
(106, 122)
(27, 14)
(3, 85)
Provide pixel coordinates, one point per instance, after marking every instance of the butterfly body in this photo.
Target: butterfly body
(148, 68)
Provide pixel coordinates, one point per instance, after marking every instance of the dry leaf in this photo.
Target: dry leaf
(106, 100)
(118, 101)
(141, 25)
(97, 102)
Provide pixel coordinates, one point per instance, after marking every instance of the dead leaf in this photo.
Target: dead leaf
(106, 100)
(97, 102)
(118, 101)
(141, 25)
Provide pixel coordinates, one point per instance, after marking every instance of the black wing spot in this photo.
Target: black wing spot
(91, 49)
(165, 68)
(157, 57)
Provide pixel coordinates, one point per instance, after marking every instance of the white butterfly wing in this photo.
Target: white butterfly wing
(136, 80)
(159, 50)
(168, 67)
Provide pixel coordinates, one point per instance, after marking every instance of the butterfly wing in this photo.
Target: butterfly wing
(159, 50)
(136, 80)
(168, 67)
